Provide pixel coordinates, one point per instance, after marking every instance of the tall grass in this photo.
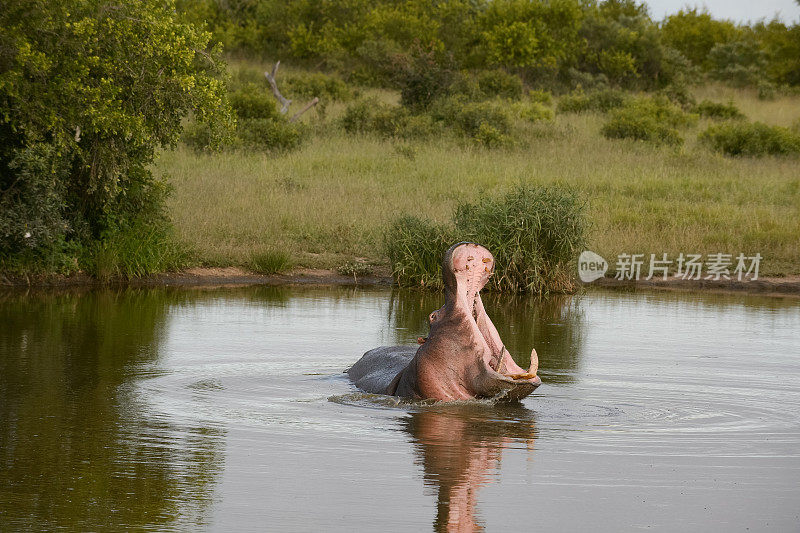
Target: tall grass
(534, 233)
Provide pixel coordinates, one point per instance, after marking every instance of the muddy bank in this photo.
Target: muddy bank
(233, 276)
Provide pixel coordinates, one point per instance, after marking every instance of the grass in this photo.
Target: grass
(329, 202)
(270, 262)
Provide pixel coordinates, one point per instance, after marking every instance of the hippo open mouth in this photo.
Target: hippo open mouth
(463, 357)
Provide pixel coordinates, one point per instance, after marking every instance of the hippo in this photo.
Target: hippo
(463, 357)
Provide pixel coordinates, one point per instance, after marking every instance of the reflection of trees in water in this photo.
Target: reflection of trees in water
(75, 449)
(555, 326)
(458, 447)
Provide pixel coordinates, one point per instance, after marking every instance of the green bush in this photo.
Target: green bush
(253, 101)
(653, 119)
(541, 96)
(466, 117)
(629, 124)
(315, 84)
(751, 139)
(89, 95)
(270, 134)
(423, 76)
(532, 111)
(499, 83)
(602, 100)
(535, 234)
(716, 110)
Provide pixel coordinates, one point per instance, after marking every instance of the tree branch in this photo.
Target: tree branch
(308, 106)
(271, 79)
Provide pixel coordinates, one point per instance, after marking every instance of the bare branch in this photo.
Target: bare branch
(285, 103)
(308, 106)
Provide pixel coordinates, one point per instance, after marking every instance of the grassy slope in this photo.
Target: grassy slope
(329, 201)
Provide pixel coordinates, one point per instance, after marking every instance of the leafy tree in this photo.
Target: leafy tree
(90, 89)
(694, 33)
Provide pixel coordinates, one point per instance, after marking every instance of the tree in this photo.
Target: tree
(89, 90)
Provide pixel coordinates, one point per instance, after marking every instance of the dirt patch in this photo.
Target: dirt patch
(789, 285)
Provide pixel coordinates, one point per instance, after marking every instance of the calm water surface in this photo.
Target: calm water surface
(227, 410)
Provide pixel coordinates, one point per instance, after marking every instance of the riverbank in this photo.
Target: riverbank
(235, 276)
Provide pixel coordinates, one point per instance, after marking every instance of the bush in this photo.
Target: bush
(253, 101)
(629, 124)
(354, 268)
(532, 111)
(86, 105)
(270, 134)
(315, 84)
(541, 97)
(751, 139)
(466, 117)
(535, 234)
(423, 76)
(602, 101)
(716, 110)
(653, 119)
(499, 83)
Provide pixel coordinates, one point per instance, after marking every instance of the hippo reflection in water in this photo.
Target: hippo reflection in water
(463, 357)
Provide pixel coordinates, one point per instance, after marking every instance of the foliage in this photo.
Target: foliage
(717, 110)
(739, 63)
(89, 92)
(751, 139)
(499, 83)
(602, 101)
(270, 262)
(653, 119)
(270, 134)
(315, 84)
(535, 234)
(694, 33)
(423, 76)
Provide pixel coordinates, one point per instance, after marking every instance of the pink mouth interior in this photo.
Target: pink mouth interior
(473, 265)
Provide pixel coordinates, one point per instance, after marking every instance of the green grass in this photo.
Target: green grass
(270, 262)
(330, 201)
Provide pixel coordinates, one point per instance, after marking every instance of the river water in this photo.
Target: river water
(226, 409)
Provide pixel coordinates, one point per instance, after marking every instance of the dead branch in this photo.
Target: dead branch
(271, 79)
(308, 106)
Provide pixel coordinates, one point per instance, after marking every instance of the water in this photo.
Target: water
(227, 410)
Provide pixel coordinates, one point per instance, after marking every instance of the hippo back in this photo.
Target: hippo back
(377, 368)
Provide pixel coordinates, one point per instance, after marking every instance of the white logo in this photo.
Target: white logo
(591, 266)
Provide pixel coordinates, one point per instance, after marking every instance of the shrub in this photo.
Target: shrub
(309, 85)
(603, 100)
(652, 119)
(357, 116)
(535, 234)
(716, 110)
(270, 134)
(423, 76)
(629, 124)
(532, 111)
(489, 136)
(541, 97)
(766, 90)
(751, 139)
(253, 101)
(89, 95)
(466, 117)
(499, 83)
(270, 262)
